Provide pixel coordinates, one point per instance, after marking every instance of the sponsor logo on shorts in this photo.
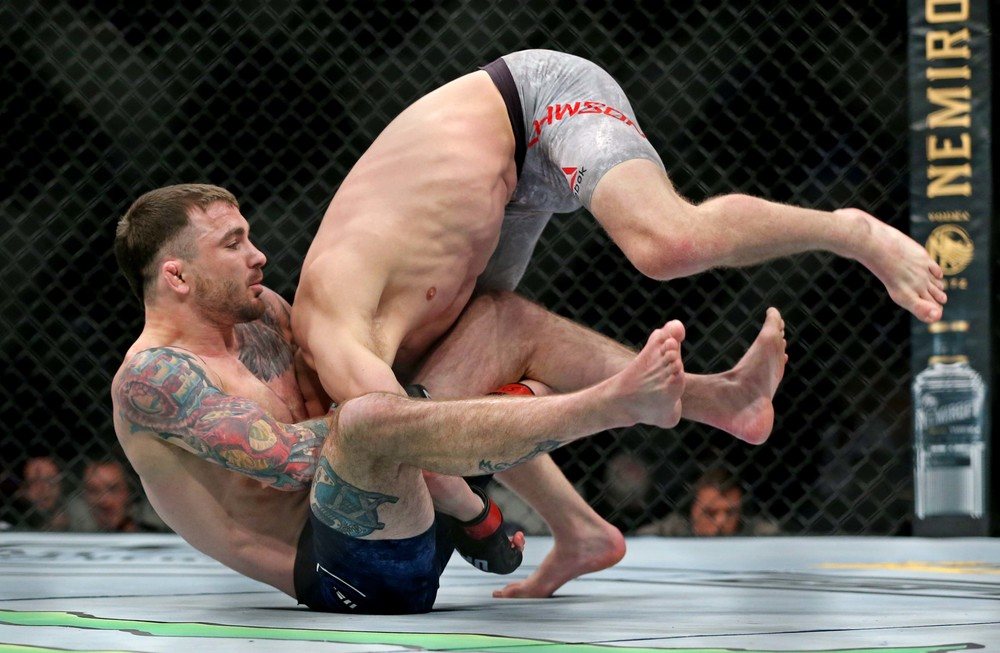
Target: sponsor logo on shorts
(575, 177)
(481, 565)
(561, 111)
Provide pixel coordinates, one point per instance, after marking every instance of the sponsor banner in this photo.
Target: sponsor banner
(951, 210)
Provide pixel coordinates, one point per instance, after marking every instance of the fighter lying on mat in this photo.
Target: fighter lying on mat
(453, 195)
(210, 388)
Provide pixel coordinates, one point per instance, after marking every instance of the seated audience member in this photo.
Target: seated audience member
(111, 504)
(716, 510)
(40, 504)
(625, 498)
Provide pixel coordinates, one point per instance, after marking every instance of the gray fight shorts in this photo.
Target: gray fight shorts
(577, 125)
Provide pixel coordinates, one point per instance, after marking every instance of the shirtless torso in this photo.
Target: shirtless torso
(245, 524)
(402, 243)
(425, 212)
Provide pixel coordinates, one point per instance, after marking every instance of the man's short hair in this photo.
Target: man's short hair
(153, 223)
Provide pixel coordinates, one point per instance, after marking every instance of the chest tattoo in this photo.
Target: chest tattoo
(263, 349)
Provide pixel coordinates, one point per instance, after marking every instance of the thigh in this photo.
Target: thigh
(371, 545)
(503, 338)
(489, 346)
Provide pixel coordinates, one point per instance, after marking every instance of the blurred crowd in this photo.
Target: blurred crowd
(104, 497)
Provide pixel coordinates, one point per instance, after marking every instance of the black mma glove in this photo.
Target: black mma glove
(483, 543)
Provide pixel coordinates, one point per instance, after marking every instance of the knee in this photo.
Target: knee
(663, 254)
(690, 239)
(362, 425)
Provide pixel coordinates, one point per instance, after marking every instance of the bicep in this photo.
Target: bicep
(167, 394)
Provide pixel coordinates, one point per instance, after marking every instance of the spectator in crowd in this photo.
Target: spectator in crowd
(41, 504)
(624, 499)
(716, 510)
(111, 503)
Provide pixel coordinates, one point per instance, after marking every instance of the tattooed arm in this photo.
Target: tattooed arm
(166, 393)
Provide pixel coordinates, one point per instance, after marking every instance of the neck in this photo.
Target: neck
(184, 327)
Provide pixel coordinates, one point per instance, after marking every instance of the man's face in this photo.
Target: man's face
(41, 483)
(106, 492)
(716, 512)
(227, 271)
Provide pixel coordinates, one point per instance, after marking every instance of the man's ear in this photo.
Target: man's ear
(172, 272)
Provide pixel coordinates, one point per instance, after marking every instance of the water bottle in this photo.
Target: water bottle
(950, 453)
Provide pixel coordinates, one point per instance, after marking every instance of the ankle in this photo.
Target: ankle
(858, 243)
(613, 403)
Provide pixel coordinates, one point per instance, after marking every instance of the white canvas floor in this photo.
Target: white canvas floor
(154, 593)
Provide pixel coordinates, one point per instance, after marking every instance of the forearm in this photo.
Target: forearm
(474, 436)
(283, 456)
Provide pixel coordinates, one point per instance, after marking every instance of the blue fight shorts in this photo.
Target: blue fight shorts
(338, 573)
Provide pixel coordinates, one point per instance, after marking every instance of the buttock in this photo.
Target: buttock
(578, 124)
(335, 572)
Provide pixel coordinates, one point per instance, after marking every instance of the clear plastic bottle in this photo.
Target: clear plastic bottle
(950, 455)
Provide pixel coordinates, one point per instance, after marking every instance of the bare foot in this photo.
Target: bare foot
(913, 279)
(602, 547)
(742, 405)
(651, 386)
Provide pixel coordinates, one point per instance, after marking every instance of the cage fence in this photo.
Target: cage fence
(797, 102)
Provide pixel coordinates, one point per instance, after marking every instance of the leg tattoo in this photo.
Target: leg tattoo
(490, 467)
(344, 507)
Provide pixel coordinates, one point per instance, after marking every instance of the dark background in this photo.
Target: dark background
(796, 102)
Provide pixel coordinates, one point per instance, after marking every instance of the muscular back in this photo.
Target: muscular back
(397, 254)
(205, 434)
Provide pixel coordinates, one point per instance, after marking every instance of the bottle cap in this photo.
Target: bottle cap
(947, 360)
(944, 327)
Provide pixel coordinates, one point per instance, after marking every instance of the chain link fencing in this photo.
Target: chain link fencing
(798, 102)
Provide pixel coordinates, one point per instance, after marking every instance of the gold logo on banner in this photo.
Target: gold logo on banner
(952, 248)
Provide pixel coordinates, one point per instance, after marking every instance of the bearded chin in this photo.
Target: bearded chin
(228, 302)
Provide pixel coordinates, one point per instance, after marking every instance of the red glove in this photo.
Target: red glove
(482, 541)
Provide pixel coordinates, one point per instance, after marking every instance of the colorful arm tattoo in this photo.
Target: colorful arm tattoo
(167, 393)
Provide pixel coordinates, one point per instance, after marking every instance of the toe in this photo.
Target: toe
(675, 329)
(927, 311)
